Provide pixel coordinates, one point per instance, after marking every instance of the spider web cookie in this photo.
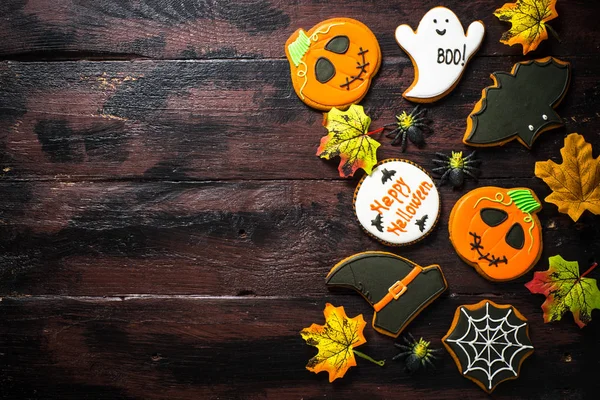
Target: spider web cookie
(488, 342)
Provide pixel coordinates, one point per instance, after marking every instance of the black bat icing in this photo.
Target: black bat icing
(521, 103)
(387, 175)
(421, 222)
(378, 222)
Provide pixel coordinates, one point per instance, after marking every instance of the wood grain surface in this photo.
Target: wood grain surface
(167, 227)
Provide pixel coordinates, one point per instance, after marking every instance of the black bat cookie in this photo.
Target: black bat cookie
(378, 222)
(520, 104)
(421, 222)
(387, 175)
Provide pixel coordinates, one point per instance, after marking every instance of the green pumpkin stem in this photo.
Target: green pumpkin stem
(524, 200)
(299, 47)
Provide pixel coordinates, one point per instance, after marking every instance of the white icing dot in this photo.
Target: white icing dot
(531, 128)
(545, 117)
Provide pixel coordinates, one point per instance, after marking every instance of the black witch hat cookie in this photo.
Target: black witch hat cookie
(398, 204)
(397, 288)
(520, 105)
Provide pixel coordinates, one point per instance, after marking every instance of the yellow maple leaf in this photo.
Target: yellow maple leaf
(528, 19)
(349, 139)
(336, 341)
(575, 183)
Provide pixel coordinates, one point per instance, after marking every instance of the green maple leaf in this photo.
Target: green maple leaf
(566, 290)
(349, 139)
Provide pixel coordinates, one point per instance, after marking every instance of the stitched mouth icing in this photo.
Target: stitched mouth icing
(490, 258)
(361, 67)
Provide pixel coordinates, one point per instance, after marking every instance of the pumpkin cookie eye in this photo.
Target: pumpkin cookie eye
(324, 70)
(338, 44)
(493, 216)
(515, 237)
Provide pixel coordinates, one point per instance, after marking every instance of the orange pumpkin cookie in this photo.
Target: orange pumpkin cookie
(496, 231)
(333, 63)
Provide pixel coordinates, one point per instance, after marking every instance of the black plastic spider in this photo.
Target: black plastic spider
(416, 354)
(455, 167)
(409, 125)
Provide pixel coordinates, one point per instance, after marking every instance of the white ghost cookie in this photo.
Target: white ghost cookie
(440, 51)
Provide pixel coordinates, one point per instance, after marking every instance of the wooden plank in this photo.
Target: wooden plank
(230, 120)
(190, 348)
(243, 29)
(266, 238)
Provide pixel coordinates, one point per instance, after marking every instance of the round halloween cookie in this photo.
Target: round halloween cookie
(398, 204)
(488, 342)
(496, 231)
(333, 63)
(440, 51)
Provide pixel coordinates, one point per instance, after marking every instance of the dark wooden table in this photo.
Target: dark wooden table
(167, 228)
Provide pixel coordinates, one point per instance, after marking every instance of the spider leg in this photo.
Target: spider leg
(402, 347)
(469, 156)
(472, 162)
(392, 124)
(421, 125)
(470, 174)
(412, 339)
(444, 177)
(397, 356)
(429, 363)
(392, 133)
(443, 162)
(413, 111)
(442, 155)
(418, 114)
(439, 169)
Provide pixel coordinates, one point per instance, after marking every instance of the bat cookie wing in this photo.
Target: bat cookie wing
(397, 288)
(520, 105)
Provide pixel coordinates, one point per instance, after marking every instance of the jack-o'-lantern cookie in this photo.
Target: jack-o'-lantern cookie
(496, 231)
(398, 204)
(333, 63)
(440, 51)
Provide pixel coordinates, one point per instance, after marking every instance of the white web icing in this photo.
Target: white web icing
(489, 332)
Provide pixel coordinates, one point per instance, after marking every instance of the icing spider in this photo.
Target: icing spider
(416, 354)
(455, 167)
(409, 125)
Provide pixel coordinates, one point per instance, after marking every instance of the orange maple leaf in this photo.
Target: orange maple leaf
(336, 341)
(575, 183)
(528, 19)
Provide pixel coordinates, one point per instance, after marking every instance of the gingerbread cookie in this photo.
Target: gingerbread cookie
(398, 204)
(333, 63)
(488, 342)
(496, 231)
(397, 288)
(520, 105)
(440, 51)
